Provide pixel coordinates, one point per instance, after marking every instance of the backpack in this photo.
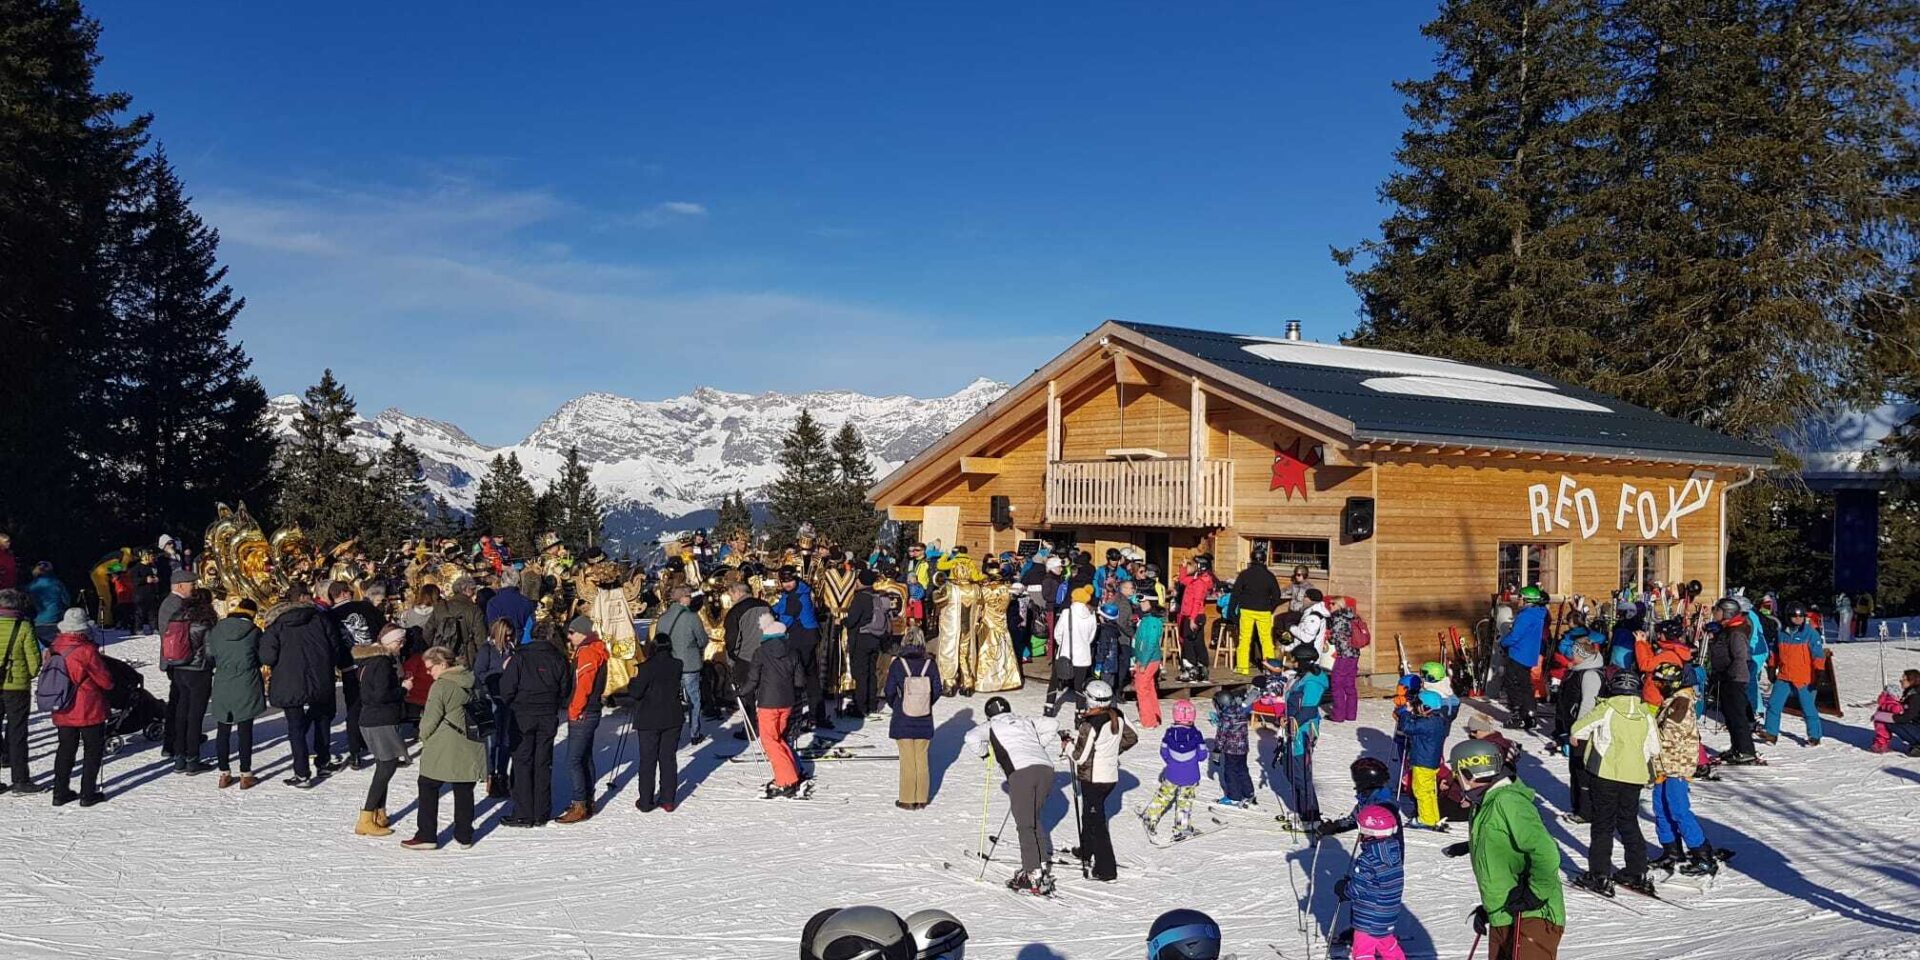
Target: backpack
(479, 717)
(53, 688)
(916, 694)
(880, 619)
(1359, 635)
(176, 643)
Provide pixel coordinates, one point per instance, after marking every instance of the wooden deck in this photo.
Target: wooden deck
(1041, 671)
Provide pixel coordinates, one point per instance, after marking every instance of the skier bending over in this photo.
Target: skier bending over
(1026, 750)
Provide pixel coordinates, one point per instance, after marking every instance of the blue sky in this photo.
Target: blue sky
(476, 211)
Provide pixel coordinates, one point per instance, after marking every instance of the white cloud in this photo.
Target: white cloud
(666, 213)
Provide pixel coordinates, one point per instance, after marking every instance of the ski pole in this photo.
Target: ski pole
(619, 751)
(986, 802)
(994, 841)
(1475, 948)
(746, 720)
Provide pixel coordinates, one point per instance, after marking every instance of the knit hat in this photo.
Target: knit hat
(1054, 565)
(183, 575)
(582, 625)
(1184, 712)
(1480, 723)
(1083, 595)
(75, 621)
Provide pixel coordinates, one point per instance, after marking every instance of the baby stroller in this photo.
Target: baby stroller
(130, 708)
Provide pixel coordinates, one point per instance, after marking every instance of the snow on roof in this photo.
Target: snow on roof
(1382, 361)
(1450, 388)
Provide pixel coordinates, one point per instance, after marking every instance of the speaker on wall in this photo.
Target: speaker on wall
(1356, 520)
(1001, 509)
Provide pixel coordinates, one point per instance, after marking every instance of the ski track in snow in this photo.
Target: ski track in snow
(1828, 844)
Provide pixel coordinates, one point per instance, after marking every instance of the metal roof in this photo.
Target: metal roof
(1402, 397)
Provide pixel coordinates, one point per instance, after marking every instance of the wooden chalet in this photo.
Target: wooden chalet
(1417, 485)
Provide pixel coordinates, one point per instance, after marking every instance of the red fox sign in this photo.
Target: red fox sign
(1576, 506)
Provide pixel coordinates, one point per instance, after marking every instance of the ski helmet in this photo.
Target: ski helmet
(1670, 631)
(1369, 774)
(1533, 595)
(1794, 609)
(1432, 700)
(997, 706)
(1375, 820)
(1184, 712)
(1623, 683)
(1304, 653)
(937, 935)
(1433, 671)
(1225, 700)
(1671, 676)
(1475, 759)
(1727, 607)
(859, 933)
(1183, 935)
(1099, 693)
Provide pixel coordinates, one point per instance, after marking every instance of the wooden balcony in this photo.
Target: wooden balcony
(1140, 493)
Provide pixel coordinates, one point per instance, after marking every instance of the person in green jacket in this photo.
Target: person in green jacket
(448, 757)
(1516, 864)
(1623, 738)
(239, 692)
(19, 664)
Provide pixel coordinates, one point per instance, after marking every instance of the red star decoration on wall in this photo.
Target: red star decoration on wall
(1290, 468)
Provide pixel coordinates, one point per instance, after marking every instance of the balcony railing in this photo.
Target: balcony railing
(1141, 493)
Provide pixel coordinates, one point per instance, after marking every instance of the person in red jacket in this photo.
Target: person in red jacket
(84, 721)
(1667, 645)
(9, 566)
(583, 714)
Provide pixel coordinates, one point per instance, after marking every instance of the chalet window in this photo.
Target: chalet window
(1641, 564)
(1530, 565)
(1285, 553)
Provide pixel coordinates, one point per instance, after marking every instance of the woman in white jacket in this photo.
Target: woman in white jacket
(1073, 635)
(1100, 736)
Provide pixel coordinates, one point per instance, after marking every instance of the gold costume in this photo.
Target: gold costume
(954, 648)
(997, 668)
(603, 594)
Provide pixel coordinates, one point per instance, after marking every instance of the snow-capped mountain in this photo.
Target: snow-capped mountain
(665, 463)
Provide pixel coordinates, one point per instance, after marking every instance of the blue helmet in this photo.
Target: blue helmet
(1183, 935)
(1431, 700)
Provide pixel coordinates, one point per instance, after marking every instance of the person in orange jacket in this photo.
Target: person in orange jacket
(1667, 645)
(1797, 662)
(583, 714)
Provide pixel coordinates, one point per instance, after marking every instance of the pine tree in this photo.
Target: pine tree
(735, 517)
(398, 501)
(804, 491)
(851, 520)
(191, 427)
(576, 514)
(507, 507)
(67, 162)
(323, 484)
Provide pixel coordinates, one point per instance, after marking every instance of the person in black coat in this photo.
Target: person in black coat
(303, 647)
(536, 682)
(655, 690)
(742, 639)
(863, 646)
(360, 622)
(383, 700)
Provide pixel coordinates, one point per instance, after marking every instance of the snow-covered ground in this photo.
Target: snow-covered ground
(1828, 840)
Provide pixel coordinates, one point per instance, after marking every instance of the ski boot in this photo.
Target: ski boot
(1185, 833)
(1642, 884)
(1742, 760)
(1704, 861)
(1671, 856)
(1594, 882)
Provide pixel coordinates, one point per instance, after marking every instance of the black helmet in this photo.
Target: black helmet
(997, 706)
(1304, 653)
(1670, 630)
(1183, 935)
(1369, 774)
(1475, 759)
(1112, 554)
(937, 935)
(856, 933)
(1225, 700)
(1793, 609)
(1257, 555)
(1623, 683)
(1671, 676)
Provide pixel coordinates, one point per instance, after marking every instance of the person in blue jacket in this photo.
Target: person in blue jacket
(50, 601)
(1304, 699)
(1374, 883)
(1631, 621)
(1424, 723)
(1522, 645)
(794, 608)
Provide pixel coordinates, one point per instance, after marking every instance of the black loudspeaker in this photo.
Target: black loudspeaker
(1356, 521)
(1001, 509)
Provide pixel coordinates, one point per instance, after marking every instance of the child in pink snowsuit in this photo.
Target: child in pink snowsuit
(1883, 713)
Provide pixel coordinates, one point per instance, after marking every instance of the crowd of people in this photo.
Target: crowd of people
(467, 664)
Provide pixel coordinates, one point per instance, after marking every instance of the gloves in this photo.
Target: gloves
(1523, 899)
(1479, 921)
(1455, 849)
(1329, 827)
(1340, 889)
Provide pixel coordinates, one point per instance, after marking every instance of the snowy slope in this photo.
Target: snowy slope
(1827, 843)
(667, 458)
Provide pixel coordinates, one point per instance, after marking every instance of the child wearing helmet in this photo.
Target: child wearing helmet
(1184, 751)
(1304, 699)
(1231, 719)
(1370, 786)
(1622, 740)
(1101, 735)
(1679, 830)
(1424, 724)
(1374, 882)
(1183, 935)
(1667, 643)
(1516, 863)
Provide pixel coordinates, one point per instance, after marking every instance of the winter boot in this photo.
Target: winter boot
(1703, 862)
(1594, 882)
(1766, 738)
(575, 813)
(1640, 884)
(380, 817)
(1671, 854)
(369, 827)
(496, 787)
(1813, 742)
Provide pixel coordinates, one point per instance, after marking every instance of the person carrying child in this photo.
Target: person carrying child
(1184, 751)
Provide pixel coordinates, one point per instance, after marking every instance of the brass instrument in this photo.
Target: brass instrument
(242, 561)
